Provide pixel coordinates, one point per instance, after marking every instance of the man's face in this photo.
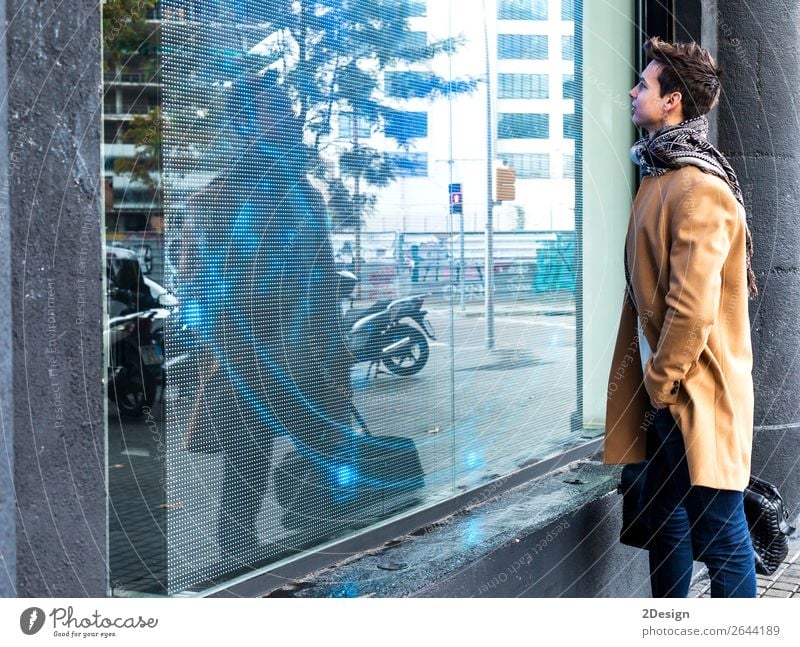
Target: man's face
(648, 110)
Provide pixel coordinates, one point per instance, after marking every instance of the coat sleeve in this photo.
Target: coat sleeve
(701, 227)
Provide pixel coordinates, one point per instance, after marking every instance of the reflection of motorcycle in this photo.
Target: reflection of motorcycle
(390, 333)
(136, 349)
(138, 308)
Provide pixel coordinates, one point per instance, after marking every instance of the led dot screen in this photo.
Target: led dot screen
(333, 360)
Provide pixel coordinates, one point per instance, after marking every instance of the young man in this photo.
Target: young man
(680, 391)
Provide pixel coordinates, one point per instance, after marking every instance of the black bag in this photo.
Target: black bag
(769, 524)
(766, 515)
(311, 487)
(635, 506)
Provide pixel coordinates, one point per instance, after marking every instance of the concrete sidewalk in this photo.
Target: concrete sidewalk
(783, 583)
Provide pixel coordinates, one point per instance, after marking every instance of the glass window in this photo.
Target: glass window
(409, 164)
(406, 85)
(522, 10)
(346, 127)
(407, 125)
(520, 125)
(568, 48)
(273, 405)
(569, 165)
(416, 40)
(522, 46)
(567, 9)
(569, 89)
(528, 165)
(417, 8)
(522, 86)
(571, 127)
(112, 135)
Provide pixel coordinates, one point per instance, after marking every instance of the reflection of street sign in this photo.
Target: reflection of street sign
(456, 198)
(504, 184)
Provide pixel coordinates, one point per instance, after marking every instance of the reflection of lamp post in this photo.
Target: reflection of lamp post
(451, 162)
(356, 202)
(488, 274)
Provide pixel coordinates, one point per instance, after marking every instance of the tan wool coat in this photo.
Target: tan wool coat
(686, 255)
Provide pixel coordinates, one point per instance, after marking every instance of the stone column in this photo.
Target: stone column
(8, 555)
(758, 129)
(53, 236)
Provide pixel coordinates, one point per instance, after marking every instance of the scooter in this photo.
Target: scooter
(389, 334)
(136, 352)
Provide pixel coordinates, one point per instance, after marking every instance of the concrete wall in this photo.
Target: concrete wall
(8, 555)
(579, 556)
(53, 93)
(556, 536)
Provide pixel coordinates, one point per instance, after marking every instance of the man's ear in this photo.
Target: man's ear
(673, 101)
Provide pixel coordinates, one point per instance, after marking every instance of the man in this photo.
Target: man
(680, 391)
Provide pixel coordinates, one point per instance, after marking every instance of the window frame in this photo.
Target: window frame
(522, 9)
(516, 122)
(510, 47)
(509, 82)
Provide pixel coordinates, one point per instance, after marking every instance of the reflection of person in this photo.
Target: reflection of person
(259, 259)
(416, 259)
(687, 257)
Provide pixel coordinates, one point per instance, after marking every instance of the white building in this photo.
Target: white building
(531, 82)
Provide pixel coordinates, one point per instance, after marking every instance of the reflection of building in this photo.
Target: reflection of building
(531, 60)
(132, 90)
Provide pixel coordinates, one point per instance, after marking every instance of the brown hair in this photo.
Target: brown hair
(689, 69)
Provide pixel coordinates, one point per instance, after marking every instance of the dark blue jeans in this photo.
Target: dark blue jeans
(684, 516)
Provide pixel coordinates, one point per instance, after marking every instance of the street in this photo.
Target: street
(473, 414)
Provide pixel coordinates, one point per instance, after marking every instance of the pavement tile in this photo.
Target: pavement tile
(777, 593)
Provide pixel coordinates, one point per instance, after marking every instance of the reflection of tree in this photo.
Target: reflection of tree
(131, 46)
(343, 49)
(144, 131)
(126, 31)
(332, 56)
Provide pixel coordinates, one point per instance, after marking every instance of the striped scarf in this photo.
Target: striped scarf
(686, 144)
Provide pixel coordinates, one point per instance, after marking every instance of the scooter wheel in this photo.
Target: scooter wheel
(411, 357)
(132, 392)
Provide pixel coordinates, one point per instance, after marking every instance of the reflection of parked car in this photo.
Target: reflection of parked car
(137, 309)
(128, 288)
